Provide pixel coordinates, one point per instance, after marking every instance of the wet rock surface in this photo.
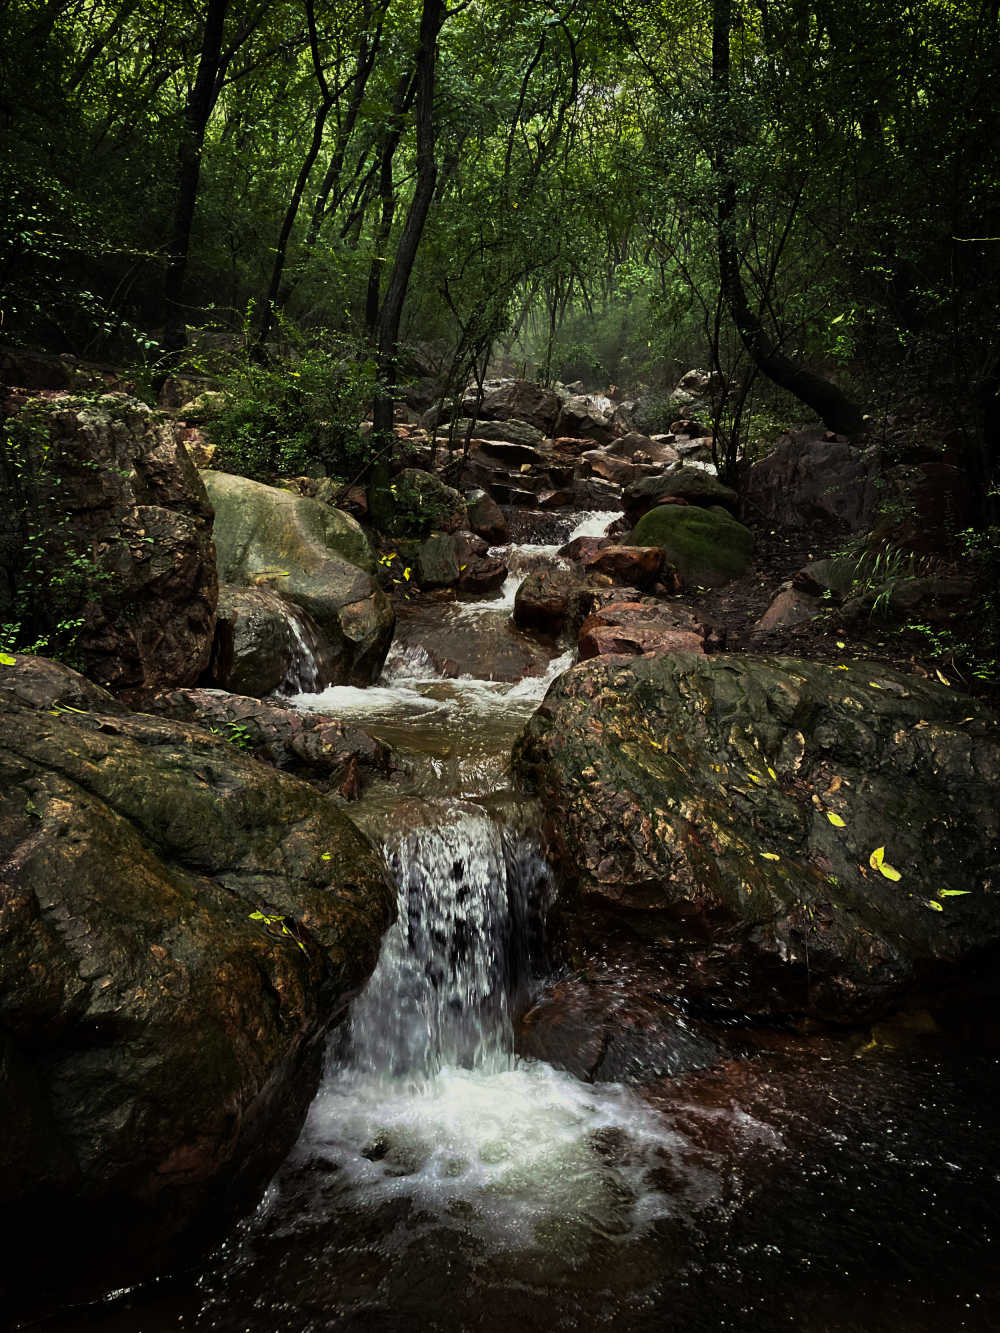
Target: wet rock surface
(121, 504)
(180, 927)
(689, 484)
(740, 805)
(318, 557)
(259, 642)
(552, 601)
(330, 754)
(633, 628)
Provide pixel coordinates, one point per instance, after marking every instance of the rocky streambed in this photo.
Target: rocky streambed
(600, 1075)
(653, 989)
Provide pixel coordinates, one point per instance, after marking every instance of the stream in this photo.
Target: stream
(444, 1183)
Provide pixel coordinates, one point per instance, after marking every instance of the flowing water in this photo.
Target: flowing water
(443, 1184)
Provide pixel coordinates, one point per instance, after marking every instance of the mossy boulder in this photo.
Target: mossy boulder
(706, 546)
(730, 811)
(180, 925)
(316, 557)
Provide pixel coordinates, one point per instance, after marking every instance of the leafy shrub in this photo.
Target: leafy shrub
(296, 416)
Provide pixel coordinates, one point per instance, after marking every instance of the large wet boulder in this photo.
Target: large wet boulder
(691, 485)
(522, 400)
(633, 628)
(264, 643)
(810, 480)
(110, 541)
(583, 417)
(506, 432)
(707, 547)
(317, 557)
(552, 601)
(423, 503)
(180, 925)
(796, 836)
(485, 516)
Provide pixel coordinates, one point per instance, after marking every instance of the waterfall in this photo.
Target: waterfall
(471, 899)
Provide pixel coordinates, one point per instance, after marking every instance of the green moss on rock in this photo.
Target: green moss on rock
(706, 546)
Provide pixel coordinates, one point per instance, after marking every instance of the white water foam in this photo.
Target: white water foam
(430, 1104)
(410, 674)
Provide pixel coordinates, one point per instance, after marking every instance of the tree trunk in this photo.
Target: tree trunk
(266, 314)
(391, 311)
(199, 106)
(830, 403)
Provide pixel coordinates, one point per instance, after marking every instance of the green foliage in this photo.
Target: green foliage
(49, 572)
(971, 644)
(298, 415)
(420, 503)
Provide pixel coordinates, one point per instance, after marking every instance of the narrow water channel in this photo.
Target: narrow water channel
(443, 1184)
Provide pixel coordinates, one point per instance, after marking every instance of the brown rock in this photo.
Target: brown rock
(552, 600)
(617, 470)
(808, 480)
(581, 549)
(555, 499)
(121, 504)
(482, 574)
(637, 565)
(790, 607)
(485, 516)
(633, 628)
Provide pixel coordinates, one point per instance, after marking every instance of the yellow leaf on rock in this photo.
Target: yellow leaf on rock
(954, 893)
(937, 906)
(878, 862)
(835, 819)
(772, 773)
(942, 677)
(7, 660)
(770, 856)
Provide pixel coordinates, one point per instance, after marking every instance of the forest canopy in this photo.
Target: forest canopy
(799, 193)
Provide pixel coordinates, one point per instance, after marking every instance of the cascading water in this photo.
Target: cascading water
(471, 897)
(303, 674)
(426, 1100)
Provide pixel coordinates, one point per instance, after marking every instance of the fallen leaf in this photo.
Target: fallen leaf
(942, 677)
(936, 906)
(954, 893)
(772, 773)
(835, 819)
(878, 862)
(7, 660)
(770, 856)
(835, 784)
